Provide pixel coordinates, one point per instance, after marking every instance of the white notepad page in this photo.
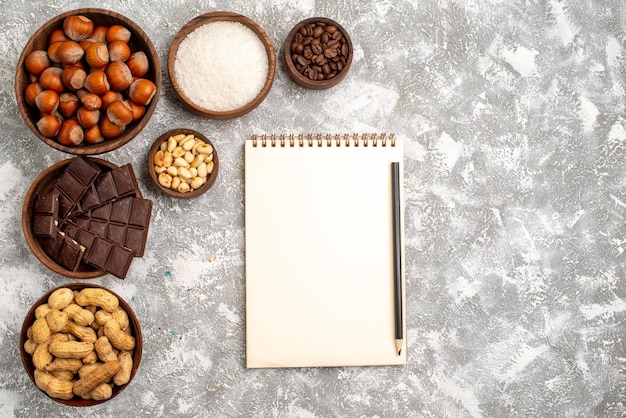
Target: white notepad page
(319, 254)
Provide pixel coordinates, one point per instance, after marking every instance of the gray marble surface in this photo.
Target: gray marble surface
(513, 117)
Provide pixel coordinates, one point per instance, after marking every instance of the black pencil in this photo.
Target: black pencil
(397, 255)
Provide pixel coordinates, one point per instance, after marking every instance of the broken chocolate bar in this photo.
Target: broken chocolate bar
(114, 184)
(45, 215)
(100, 252)
(64, 250)
(73, 183)
(124, 221)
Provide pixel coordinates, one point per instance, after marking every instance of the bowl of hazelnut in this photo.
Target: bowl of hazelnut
(88, 81)
(183, 163)
(318, 53)
(81, 344)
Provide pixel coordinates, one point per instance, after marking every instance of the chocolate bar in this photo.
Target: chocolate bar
(73, 184)
(114, 184)
(45, 215)
(102, 253)
(64, 250)
(124, 221)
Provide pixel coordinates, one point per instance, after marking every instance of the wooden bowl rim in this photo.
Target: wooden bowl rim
(217, 16)
(133, 129)
(173, 193)
(137, 353)
(301, 79)
(27, 210)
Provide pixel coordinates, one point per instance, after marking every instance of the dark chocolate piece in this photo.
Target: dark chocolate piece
(64, 250)
(73, 183)
(109, 186)
(110, 257)
(45, 215)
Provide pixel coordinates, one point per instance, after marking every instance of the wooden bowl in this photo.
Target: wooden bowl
(139, 42)
(290, 53)
(202, 20)
(27, 360)
(156, 146)
(43, 184)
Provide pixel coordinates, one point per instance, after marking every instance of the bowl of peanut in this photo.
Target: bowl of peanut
(88, 81)
(183, 163)
(81, 344)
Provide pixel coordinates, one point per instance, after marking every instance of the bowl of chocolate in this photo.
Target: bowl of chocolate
(318, 53)
(85, 217)
(183, 163)
(221, 65)
(88, 81)
(81, 344)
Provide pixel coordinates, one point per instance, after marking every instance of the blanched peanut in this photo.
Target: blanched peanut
(183, 187)
(197, 182)
(165, 180)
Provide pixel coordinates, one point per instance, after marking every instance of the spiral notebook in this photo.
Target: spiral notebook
(319, 246)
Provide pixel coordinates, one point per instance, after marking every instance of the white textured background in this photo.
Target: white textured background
(513, 117)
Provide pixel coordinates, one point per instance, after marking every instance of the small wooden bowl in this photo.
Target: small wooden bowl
(27, 360)
(303, 80)
(174, 193)
(43, 184)
(202, 20)
(39, 41)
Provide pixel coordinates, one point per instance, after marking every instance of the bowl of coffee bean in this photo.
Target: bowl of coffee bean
(318, 53)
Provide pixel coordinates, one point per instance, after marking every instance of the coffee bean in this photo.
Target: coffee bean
(330, 53)
(319, 51)
(301, 60)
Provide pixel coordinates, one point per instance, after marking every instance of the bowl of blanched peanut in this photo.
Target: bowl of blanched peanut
(183, 163)
(81, 344)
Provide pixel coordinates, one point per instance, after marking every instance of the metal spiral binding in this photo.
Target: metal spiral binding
(337, 140)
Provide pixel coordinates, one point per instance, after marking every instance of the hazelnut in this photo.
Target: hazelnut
(51, 79)
(47, 101)
(138, 64)
(141, 91)
(70, 52)
(97, 82)
(49, 125)
(118, 33)
(78, 27)
(70, 133)
(120, 113)
(97, 55)
(119, 76)
(119, 51)
(37, 61)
